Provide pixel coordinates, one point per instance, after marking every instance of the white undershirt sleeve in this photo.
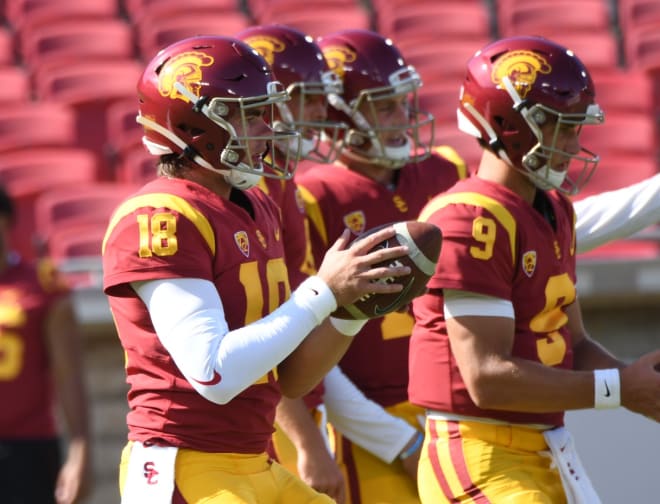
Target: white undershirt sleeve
(364, 422)
(189, 319)
(612, 215)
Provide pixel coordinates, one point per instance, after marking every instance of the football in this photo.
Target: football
(424, 241)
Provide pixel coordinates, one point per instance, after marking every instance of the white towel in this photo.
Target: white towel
(150, 476)
(577, 485)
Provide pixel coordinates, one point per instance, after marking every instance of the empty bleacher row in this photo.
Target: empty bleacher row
(68, 72)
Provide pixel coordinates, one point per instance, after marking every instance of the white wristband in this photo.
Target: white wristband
(348, 327)
(315, 295)
(607, 388)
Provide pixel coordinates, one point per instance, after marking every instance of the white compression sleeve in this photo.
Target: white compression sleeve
(363, 421)
(616, 214)
(189, 319)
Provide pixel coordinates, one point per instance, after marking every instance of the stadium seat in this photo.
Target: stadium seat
(453, 20)
(436, 60)
(321, 20)
(123, 131)
(70, 41)
(262, 10)
(551, 17)
(28, 14)
(7, 54)
(136, 8)
(441, 99)
(623, 133)
(634, 14)
(29, 172)
(153, 37)
(136, 166)
(15, 85)
(84, 204)
(623, 90)
(31, 124)
(90, 88)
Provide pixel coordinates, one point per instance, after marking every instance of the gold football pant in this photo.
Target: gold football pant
(480, 463)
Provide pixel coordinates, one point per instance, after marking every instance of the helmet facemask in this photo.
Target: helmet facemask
(320, 140)
(364, 139)
(538, 161)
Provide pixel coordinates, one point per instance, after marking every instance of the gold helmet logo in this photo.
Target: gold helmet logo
(337, 57)
(522, 69)
(267, 46)
(185, 68)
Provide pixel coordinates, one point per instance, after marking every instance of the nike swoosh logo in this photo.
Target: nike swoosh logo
(213, 381)
(607, 389)
(383, 311)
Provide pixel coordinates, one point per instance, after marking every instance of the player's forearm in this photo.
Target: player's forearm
(298, 423)
(310, 362)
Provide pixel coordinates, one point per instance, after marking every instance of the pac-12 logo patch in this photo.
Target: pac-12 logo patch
(242, 241)
(355, 221)
(529, 262)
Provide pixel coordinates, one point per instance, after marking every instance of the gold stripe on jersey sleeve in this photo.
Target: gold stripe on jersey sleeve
(502, 215)
(158, 200)
(451, 155)
(314, 213)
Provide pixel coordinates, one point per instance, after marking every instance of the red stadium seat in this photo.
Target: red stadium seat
(623, 90)
(453, 20)
(262, 10)
(70, 41)
(123, 132)
(135, 9)
(15, 85)
(136, 166)
(623, 133)
(637, 13)
(552, 17)
(441, 99)
(84, 204)
(91, 87)
(29, 172)
(322, 19)
(153, 37)
(7, 54)
(23, 13)
(31, 124)
(436, 60)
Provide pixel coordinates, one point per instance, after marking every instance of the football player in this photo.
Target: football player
(386, 172)
(197, 283)
(41, 372)
(298, 63)
(499, 350)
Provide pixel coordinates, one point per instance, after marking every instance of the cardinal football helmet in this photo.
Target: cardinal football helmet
(188, 92)
(512, 88)
(372, 69)
(298, 63)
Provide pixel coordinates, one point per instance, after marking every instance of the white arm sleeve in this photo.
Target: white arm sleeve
(189, 319)
(611, 215)
(363, 421)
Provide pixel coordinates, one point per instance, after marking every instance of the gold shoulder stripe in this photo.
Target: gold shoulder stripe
(314, 213)
(502, 215)
(158, 200)
(451, 155)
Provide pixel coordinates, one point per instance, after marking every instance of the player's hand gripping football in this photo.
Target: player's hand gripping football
(349, 272)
